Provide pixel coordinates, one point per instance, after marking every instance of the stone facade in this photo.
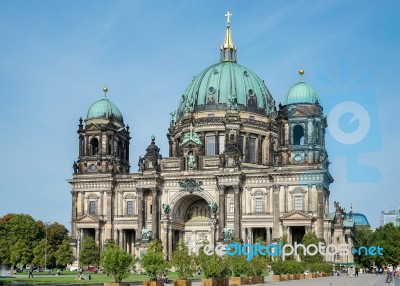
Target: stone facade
(232, 170)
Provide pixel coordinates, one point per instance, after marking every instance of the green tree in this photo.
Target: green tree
(5, 253)
(387, 237)
(153, 263)
(155, 246)
(21, 253)
(183, 262)
(213, 266)
(23, 227)
(308, 239)
(64, 254)
(90, 253)
(117, 262)
(41, 257)
(363, 237)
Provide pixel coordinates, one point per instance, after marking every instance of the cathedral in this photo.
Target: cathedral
(238, 166)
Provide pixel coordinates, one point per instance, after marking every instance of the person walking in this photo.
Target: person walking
(356, 271)
(30, 271)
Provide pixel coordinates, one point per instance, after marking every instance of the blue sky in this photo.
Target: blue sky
(55, 57)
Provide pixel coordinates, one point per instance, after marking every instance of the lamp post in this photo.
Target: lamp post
(78, 238)
(46, 224)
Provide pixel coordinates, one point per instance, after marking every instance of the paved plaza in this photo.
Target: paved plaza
(362, 280)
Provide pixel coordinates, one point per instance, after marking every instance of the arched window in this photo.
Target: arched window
(298, 135)
(94, 146)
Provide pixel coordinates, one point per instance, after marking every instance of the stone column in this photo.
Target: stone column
(120, 204)
(212, 228)
(246, 147)
(216, 143)
(169, 241)
(140, 201)
(73, 215)
(320, 213)
(286, 198)
(109, 206)
(120, 242)
(97, 235)
(259, 150)
(249, 235)
(164, 238)
(154, 215)
(221, 221)
(82, 197)
(275, 233)
(236, 219)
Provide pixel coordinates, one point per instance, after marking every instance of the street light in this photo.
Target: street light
(47, 224)
(78, 238)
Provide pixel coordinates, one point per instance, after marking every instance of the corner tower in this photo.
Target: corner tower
(103, 140)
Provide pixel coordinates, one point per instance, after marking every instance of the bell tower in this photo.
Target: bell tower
(301, 131)
(103, 140)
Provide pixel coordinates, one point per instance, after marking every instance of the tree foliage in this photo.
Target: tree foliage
(183, 262)
(308, 239)
(90, 253)
(64, 254)
(24, 231)
(117, 262)
(153, 263)
(21, 253)
(41, 257)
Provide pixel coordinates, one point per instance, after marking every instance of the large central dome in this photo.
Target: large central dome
(227, 86)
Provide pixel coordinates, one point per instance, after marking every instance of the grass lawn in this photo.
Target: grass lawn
(70, 278)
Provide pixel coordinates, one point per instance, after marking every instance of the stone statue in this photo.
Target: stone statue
(227, 233)
(75, 167)
(231, 104)
(166, 208)
(222, 160)
(213, 206)
(172, 116)
(191, 162)
(141, 164)
(146, 234)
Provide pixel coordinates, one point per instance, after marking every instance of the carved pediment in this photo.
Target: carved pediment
(87, 218)
(296, 215)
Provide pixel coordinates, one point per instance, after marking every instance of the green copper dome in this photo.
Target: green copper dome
(301, 93)
(104, 108)
(227, 86)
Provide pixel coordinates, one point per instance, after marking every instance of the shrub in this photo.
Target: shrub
(258, 264)
(183, 262)
(153, 263)
(117, 262)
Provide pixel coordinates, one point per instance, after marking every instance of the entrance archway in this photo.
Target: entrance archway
(190, 219)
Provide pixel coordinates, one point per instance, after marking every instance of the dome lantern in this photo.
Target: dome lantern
(104, 108)
(228, 49)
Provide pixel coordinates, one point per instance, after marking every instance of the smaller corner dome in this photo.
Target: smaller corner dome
(301, 93)
(104, 108)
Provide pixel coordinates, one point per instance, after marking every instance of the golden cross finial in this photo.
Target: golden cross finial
(228, 15)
